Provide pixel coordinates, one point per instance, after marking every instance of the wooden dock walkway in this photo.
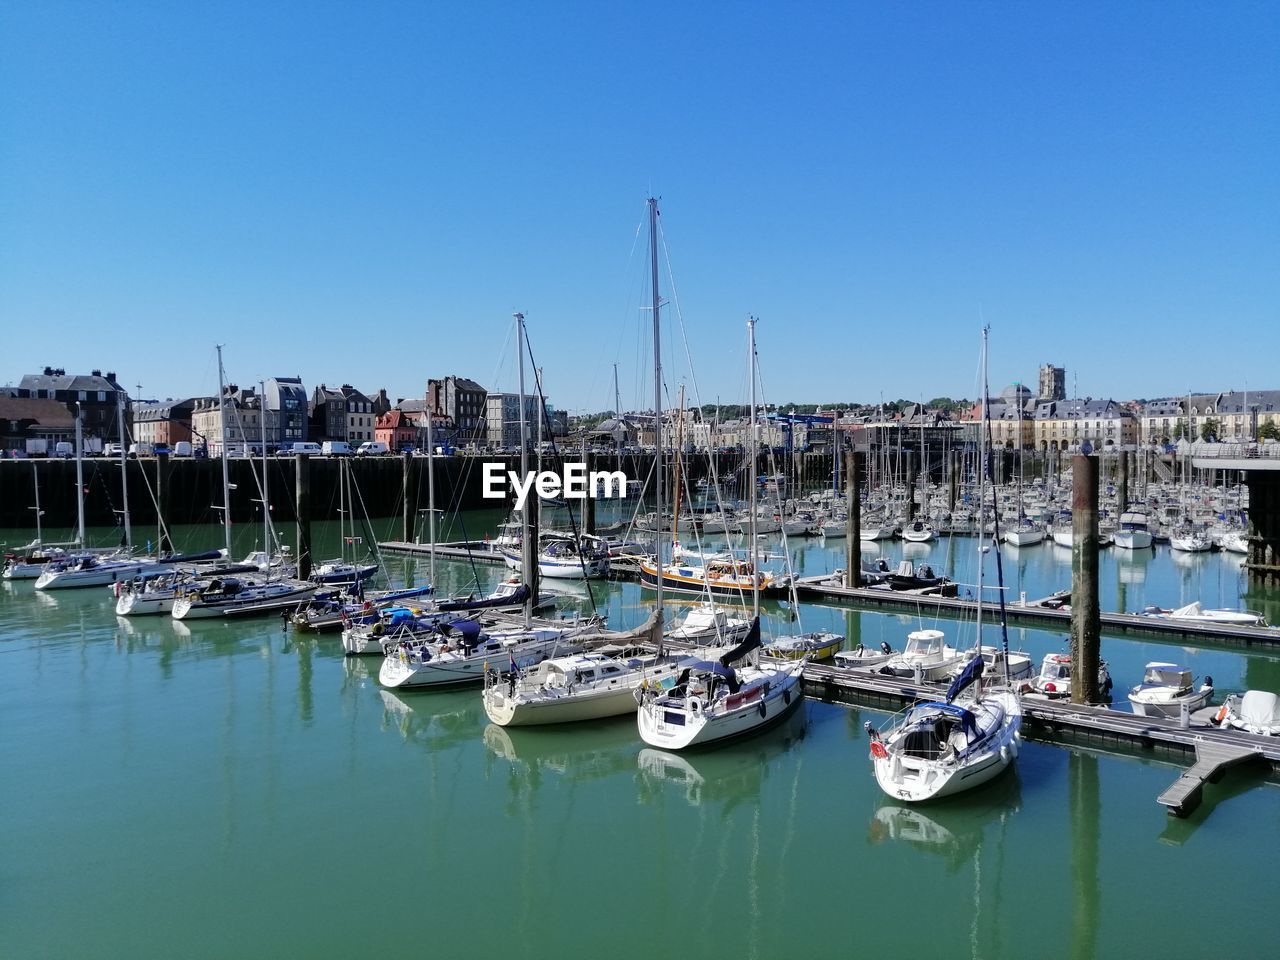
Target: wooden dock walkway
(821, 591)
(481, 551)
(1212, 761)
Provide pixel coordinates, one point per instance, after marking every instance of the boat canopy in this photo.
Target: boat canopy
(968, 722)
(467, 629)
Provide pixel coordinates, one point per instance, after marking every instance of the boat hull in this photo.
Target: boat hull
(680, 730)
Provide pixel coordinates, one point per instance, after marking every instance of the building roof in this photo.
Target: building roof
(52, 379)
(47, 413)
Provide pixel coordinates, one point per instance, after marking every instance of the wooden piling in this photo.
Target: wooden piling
(1086, 626)
(302, 470)
(853, 525)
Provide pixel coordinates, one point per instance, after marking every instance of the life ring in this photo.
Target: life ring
(878, 752)
(379, 629)
(1221, 716)
(695, 705)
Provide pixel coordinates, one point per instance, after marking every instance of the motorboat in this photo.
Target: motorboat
(1020, 664)
(863, 658)
(926, 657)
(937, 749)
(907, 576)
(1133, 533)
(1196, 613)
(342, 571)
(1254, 711)
(1167, 689)
(815, 646)
(1054, 679)
(562, 556)
(713, 701)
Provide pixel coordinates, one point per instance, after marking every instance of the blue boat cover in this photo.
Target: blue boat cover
(967, 676)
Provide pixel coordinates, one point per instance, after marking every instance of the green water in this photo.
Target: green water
(228, 790)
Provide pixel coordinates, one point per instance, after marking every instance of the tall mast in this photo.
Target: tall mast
(79, 475)
(619, 431)
(226, 482)
(755, 577)
(35, 477)
(124, 467)
(526, 554)
(982, 480)
(431, 495)
(266, 500)
(656, 304)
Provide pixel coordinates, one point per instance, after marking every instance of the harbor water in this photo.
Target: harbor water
(231, 789)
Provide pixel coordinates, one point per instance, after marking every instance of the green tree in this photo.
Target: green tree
(1268, 431)
(1210, 429)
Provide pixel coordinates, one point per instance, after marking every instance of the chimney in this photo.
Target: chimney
(95, 373)
(111, 375)
(48, 371)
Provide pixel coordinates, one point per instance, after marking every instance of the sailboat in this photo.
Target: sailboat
(940, 748)
(93, 570)
(713, 701)
(340, 570)
(242, 594)
(462, 651)
(1025, 532)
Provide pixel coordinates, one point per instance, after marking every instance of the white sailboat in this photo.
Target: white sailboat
(463, 652)
(715, 701)
(937, 749)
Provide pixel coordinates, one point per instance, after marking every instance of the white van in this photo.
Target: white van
(336, 448)
(142, 449)
(308, 448)
(182, 448)
(64, 449)
(370, 447)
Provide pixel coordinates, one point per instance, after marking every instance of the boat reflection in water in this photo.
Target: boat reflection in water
(953, 831)
(443, 719)
(731, 774)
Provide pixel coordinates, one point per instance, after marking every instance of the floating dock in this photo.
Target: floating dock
(823, 590)
(1214, 750)
(480, 551)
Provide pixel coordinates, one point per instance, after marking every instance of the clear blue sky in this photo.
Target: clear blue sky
(365, 192)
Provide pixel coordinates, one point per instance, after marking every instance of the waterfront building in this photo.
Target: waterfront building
(397, 430)
(243, 422)
(163, 423)
(97, 396)
(502, 428)
(1012, 418)
(285, 402)
(1242, 413)
(27, 418)
(464, 402)
(1069, 424)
